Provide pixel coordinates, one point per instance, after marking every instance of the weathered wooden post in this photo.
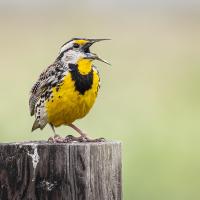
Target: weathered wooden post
(72, 171)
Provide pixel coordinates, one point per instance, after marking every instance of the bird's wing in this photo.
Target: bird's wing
(49, 77)
(95, 69)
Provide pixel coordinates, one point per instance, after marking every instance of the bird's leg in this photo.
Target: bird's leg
(83, 137)
(78, 130)
(56, 138)
(71, 138)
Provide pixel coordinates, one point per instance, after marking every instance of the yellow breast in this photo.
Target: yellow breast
(69, 104)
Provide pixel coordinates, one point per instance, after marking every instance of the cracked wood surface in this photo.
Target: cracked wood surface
(72, 171)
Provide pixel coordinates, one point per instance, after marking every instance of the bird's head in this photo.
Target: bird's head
(79, 48)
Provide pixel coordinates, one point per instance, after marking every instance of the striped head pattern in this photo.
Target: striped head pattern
(78, 48)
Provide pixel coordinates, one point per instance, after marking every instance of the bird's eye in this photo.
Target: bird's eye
(76, 45)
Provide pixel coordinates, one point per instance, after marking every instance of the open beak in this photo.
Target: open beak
(98, 40)
(93, 56)
(102, 60)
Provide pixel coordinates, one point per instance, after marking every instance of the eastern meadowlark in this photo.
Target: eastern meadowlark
(66, 90)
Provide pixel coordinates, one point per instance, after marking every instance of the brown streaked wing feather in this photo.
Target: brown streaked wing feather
(40, 86)
(51, 76)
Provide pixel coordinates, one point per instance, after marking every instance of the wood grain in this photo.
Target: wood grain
(73, 171)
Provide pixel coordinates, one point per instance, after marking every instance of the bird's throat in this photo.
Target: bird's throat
(84, 66)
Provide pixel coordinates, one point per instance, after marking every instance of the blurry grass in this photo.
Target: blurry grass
(149, 99)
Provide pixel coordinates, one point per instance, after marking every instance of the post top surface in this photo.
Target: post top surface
(45, 143)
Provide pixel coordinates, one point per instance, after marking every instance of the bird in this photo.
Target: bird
(67, 89)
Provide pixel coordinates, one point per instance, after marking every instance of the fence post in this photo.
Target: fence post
(72, 171)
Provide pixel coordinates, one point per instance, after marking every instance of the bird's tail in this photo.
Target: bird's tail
(37, 125)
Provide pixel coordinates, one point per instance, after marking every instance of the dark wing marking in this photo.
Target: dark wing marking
(95, 69)
(49, 77)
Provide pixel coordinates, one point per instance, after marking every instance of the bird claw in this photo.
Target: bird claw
(100, 140)
(56, 139)
(71, 138)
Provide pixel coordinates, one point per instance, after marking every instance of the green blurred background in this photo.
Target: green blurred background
(149, 98)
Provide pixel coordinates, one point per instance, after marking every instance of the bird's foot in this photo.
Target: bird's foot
(95, 140)
(83, 138)
(71, 138)
(56, 139)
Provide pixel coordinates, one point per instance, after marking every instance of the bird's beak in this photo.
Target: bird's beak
(93, 56)
(102, 60)
(90, 42)
(97, 40)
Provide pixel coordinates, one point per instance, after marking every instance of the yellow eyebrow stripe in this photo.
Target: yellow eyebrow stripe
(81, 42)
